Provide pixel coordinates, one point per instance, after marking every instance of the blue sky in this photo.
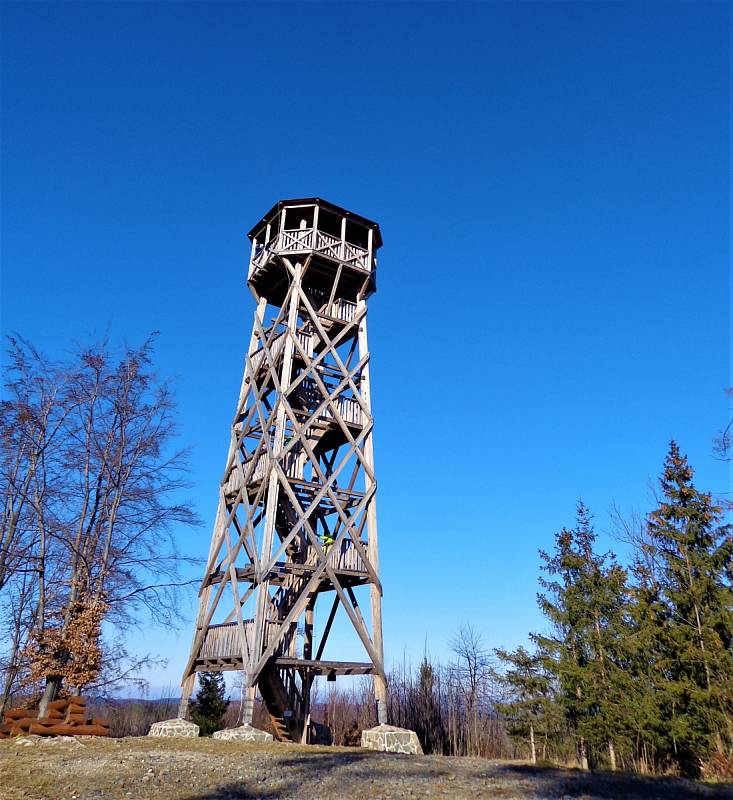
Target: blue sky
(552, 183)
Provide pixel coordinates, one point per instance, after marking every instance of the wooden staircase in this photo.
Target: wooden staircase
(280, 692)
(283, 702)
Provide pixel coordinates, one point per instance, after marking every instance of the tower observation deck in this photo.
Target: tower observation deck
(296, 524)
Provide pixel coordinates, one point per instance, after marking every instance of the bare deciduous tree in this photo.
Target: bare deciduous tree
(92, 496)
(472, 673)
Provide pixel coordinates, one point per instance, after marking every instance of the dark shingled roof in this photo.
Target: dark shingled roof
(323, 204)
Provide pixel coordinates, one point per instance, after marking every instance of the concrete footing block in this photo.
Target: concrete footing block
(245, 733)
(389, 739)
(178, 727)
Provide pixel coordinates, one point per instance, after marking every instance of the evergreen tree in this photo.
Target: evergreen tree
(641, 672)
(562, 652)
(644, 648)
(585, 600)
(602, 588)
(428, 723)
(528, 704)
(688, 605)
(209, 705)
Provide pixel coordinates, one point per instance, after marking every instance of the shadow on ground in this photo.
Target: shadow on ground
(551, 782)
(365, 774)
(298, 777)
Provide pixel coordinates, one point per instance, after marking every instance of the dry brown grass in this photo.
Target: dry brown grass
(206, 769)
(718, 768)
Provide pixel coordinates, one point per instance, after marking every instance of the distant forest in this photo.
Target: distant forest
(635, 671)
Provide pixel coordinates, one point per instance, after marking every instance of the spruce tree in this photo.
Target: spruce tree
(528, 704)
(563, 652)
(645, 647)
(585, 601)
(602, 586)
(428, 723)
(209, 705)
(692, 616)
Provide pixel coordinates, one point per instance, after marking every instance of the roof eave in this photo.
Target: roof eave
(324, 204)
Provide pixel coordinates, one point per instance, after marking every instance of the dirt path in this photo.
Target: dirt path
(203, 769)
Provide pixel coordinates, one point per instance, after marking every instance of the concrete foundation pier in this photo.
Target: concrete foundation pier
(389, 739)
(178, 727)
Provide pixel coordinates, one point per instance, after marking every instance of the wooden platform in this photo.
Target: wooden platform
(280, 572)
(326, 667)
(314, 668)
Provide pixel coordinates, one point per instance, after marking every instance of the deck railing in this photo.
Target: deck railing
(309, 240)
(345, 557)
(293, 466)
(348, 408)
(341, 309)
(223, 641)
(311, 396)
(295, 241)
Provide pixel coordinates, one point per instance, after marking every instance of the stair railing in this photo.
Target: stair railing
(294, 694)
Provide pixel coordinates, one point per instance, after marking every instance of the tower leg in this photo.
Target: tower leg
(262, 610)
(216, 543)
(306, 689)
(380, 684)
(308, 629)
(248, 706)
(380, 692)
(307, 677)
(186, 692)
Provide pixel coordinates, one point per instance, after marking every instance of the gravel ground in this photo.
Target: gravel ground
(205, 769)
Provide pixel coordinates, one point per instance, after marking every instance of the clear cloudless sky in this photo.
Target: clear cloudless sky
(552, 183)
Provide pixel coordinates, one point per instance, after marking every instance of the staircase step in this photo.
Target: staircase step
(277, 703)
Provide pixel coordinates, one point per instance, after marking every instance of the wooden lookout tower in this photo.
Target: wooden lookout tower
(296, 525)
